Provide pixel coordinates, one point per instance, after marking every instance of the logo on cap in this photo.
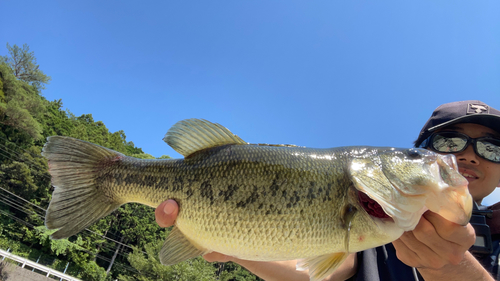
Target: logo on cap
(477, 109)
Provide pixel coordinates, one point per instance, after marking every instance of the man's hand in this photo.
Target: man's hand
(434, 243)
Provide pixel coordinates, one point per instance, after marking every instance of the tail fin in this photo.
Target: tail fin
(78, 200)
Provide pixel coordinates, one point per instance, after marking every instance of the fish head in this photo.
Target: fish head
(404, 183)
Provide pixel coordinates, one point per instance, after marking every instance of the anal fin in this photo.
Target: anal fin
(177, 248)
(321, 266)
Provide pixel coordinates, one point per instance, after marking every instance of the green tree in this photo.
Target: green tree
(21, 105)
(24, 66)
(26, 119)
(55, 121)
(150, 269)
(17, 177)
(58, 247)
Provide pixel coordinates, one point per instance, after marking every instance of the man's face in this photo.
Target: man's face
(483, 175)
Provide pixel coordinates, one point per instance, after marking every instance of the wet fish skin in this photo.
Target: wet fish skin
(256, 202)
(248, 187)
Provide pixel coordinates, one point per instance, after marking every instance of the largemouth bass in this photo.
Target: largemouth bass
(258, 201)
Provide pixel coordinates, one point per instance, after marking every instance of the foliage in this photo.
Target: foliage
(17, 176)
(58, 247)
(235, 272)
(20, 104)
(149, 267)
(143, 156)
(26, 120)
(23, 65)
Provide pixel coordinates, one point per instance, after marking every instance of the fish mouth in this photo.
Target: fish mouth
(371, 207)
(452, 199)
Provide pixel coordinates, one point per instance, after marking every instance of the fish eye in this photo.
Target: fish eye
(414, 153)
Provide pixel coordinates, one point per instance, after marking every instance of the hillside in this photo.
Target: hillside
(123, 245)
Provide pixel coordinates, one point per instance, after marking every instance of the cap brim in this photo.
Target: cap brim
(488, 120)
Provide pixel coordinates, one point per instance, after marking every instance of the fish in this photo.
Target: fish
(258, 202)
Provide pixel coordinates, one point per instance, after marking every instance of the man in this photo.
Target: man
(471, 131)
(436, 249)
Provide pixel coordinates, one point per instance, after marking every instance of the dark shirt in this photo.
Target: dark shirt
(382, 264)
(490, 261)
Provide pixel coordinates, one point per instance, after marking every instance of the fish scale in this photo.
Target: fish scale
(257, 201)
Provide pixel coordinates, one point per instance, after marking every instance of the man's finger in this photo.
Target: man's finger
(166, 213)
(406, 255)
(427, 256)
(428, 235)
(461, 235)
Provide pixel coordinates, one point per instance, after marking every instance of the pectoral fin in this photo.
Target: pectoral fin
(322, 266)
(177, 248)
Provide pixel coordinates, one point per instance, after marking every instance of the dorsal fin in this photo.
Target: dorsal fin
(191, 135)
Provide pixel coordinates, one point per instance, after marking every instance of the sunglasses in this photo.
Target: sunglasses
(453, 142)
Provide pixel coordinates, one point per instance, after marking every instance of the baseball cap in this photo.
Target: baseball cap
(469, 111)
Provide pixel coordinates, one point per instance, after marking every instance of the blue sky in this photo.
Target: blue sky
(310, 73)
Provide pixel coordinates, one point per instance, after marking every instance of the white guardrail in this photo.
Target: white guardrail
(26, 262)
